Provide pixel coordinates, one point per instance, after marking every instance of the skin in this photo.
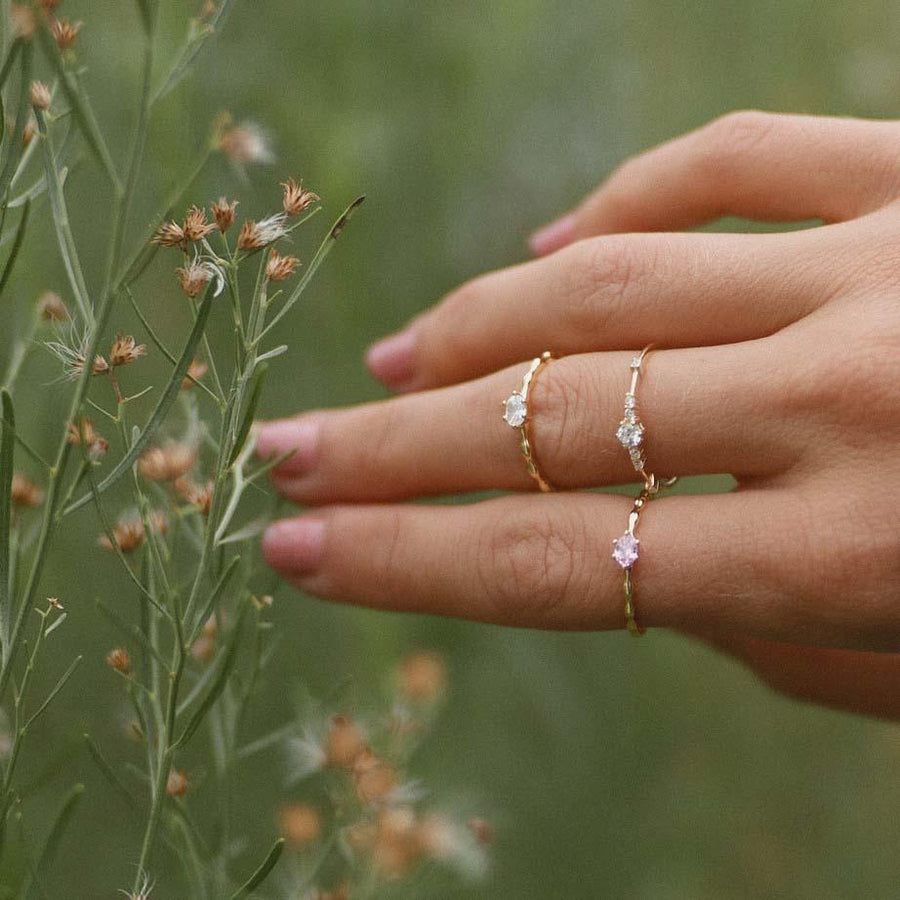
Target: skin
(781, 366)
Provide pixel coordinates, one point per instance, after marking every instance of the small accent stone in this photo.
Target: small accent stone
(636, 362)
(516, 411)
(630, 401)
(625, 550)
(630, 433)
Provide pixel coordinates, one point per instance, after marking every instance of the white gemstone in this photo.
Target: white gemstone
(636, 362)
(625, 550)
(515, 411)
(630, 401)
(630, 434)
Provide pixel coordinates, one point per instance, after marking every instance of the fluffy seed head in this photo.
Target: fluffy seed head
(194, 278)
(224, 212)
(256, 235)
(177, 783)
(129, 533)
(52, 308)
(25, 493)
(40, 95)
(279, 267)
(125, 350)
(119, 659)
(168, 462)
(300, 825)
(296, 197)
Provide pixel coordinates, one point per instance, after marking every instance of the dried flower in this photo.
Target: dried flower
(40, 95)
(169, 234)
(125, 350)
(169, 462)
(177, 783)
(74, 359)
(422, 677)
(300, 825)
(256, 235)
(344, 743)
(84, 431)
(64, 32)
(198, 495)
(194, 278)
(279, 267)
(398, 845)
(22, 20)
(246, 144)
(224, 213)
(26, 493)
(195, 226)
(375, 778)
(296, 197)
(129, 532)
(120, 660)
(143, 892)
(196, 370)
(54, 603)
(52, 308)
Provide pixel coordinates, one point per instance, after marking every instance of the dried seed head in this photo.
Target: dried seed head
(64, 32)
(25, 493)
(177, 783)
(246, 144)
(375, 778)
(196, 370)
(198, 495)
(100, 366)
(195, 226)
(142, 893)
(169, 234)
(95, 443)
(224, 212)
(194, 278)
(344, 743)
(125, 350)
(74, 359)
(54, 603)
(120, 660)
(52, 308)
(40, 95)
(300, 825)
(169, 462)
(22, 20)
(256, 235)
(422, 677)
(296, 198)
(129, 532)
(279, 267)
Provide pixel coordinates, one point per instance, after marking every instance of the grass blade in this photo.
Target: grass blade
(259, 380)
(56, 689)
(7, 454)
(109, 773)
(260, 875)
(16, 247)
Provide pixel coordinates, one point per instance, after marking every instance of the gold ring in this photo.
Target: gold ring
(516, 415)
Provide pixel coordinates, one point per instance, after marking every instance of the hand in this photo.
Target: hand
(782, 367)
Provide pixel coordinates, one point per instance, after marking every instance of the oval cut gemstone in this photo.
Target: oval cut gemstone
(516, 411)
(625, 550)
(630, 434)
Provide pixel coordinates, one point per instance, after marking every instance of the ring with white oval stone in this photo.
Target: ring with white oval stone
(517, 415)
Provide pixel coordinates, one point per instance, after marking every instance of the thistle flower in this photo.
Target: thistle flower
(300, 825)
(125, 350)
(120, 660)
(196, 370)
(51, 307)
(296, 197)
(246, 144)
(422, 677)
(95, 443)
(169, 462)
(279, 267)
(196, 227)
(256, 235)
(224, 212)
(177, 783)
(40, 95)
(26, 493)
(64, 32)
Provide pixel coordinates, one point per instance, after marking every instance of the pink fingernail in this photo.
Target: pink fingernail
(554, 236)
(294, 545)
(392, 360)
(300, 436)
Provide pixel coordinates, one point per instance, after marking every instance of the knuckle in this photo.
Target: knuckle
(728, 140)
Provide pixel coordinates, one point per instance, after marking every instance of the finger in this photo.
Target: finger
(851, 680)
(614, 293)
(750, 164)
(711, 562)
(455, 439)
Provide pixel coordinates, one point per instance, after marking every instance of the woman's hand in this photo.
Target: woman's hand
(781, 366)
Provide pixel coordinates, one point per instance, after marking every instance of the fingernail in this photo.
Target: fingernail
(294, 545)
(297, 436)
(553, 236)
(392, 360)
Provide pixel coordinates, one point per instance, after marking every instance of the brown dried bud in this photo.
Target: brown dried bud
(194, 278)
(422, 677)
(279, 267)
(256, 235)
(26, 493)
(125, 350)
(64, 32)
(375, 778)
(95, 443)
(224, 213)
(119, 660)
(52, 308)
(196, 370)
(344, 743)
(167, 463)
(195, 225)
(169, 234)
(129, 532)
(300, 825)
(398, 844)
(199, 495)
(40, 95)
(177, 783)
(296, 198)
(100, 366)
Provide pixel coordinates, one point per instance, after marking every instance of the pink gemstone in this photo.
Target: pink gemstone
(625, 550)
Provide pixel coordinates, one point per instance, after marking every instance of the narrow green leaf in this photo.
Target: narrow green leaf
(60, 824)
(214, 597)
(23, 111)
(7, 454)
(16, 247)
(259, 380)
(56, 689)
(162, 408)
(260, 875)
(109, 773)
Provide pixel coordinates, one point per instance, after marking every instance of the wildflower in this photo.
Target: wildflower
(125, 350)
(84, 432)
(279, 267)
(196, 370)
(422, 677)
(195, 225)
(194, 278)
(74, 359)
(246, 144)
(23, 21)
(296, 197)
(177, 783)
(54, 603)
(120, 660)
(40, 95)
(344, 743)
(64, 32)
(374, 778)
(129, 532)
(169, 462)
(26, 493)
(51, 307)
(300, 825)
(256, 235)
(398, 845)
(224, 213)
(169, 234)
(198, 495)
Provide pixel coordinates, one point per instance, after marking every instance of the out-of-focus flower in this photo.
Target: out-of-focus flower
(296, 197)
(246, 144)
(422, 677)
(196, 370)
(224, 212)
(198, 495)
(204, 648)
(280, 268)
(177, 783)
(22, 20)
(95, 443)
(40, 95)
(129, 532)
(300, 825)
(125, 350)
(64, 32)
(375, 778)
(120, 660)
(168, 462)
(51, 307)
(344, 742)
(256, 235)
(25, 493)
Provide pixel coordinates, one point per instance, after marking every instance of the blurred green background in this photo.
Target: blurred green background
(612, 768)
